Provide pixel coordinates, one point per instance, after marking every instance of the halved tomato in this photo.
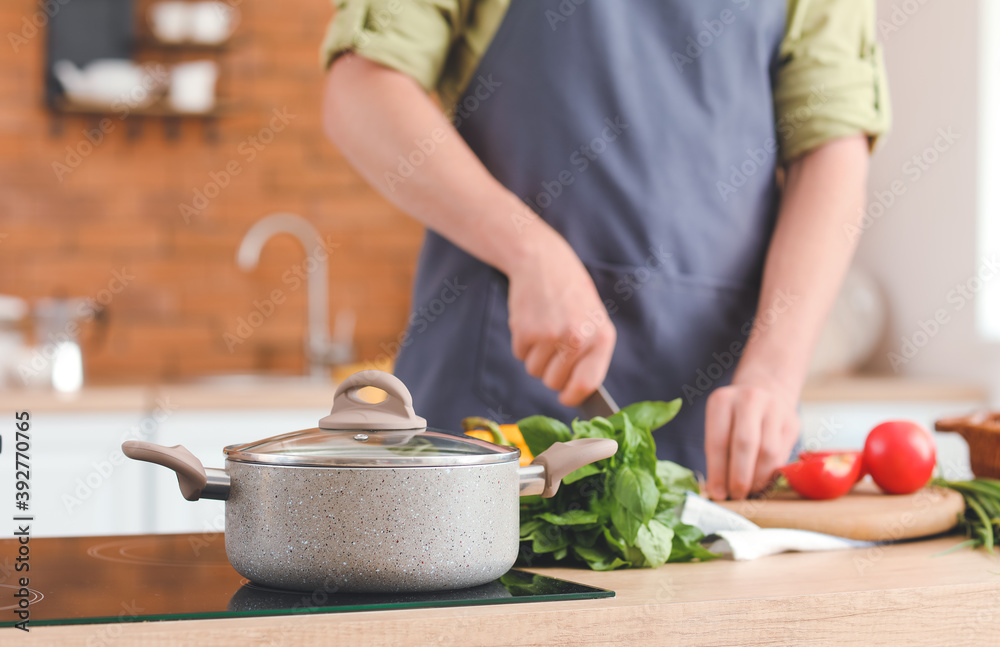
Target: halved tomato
(823, 477)
(863, 472)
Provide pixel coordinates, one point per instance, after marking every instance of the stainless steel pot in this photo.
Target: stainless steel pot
(372, 500)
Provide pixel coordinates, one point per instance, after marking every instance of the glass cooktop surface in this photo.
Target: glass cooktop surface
(89, 580)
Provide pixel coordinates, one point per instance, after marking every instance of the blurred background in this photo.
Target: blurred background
(126, 314)
(118, 203)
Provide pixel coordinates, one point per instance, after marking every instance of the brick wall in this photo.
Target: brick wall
(118, 210)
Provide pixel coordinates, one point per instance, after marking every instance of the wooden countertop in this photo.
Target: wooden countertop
(89, 399)
(895, 595)
(878, 388)
(293, 393)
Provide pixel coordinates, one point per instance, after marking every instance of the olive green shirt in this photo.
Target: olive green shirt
(830, 84)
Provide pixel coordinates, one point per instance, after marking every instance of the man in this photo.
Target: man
(603, 204)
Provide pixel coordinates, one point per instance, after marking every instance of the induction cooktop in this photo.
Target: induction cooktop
(92, 580)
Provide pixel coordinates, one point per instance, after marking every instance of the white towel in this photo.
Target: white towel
(742, 539)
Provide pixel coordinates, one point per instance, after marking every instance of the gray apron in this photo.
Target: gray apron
(643, 131)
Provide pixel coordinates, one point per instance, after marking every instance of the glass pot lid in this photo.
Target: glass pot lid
(358, 433)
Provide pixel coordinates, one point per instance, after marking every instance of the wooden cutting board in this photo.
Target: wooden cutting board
(864, 513)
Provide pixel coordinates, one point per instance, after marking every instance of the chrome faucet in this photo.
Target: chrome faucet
(320, 351)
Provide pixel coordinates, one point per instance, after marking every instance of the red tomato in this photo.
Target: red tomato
(830, 452)
(823, 453)
(900, 456)
(823, 477)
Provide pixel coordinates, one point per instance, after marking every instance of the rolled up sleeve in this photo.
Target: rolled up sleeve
(831, 82)
(412, 36)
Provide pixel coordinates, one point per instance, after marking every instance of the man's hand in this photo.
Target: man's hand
(750, 429)
(559, 327)
(751, 426)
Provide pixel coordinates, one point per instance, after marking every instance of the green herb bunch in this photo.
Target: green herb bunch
(981, 520)
(621, 512)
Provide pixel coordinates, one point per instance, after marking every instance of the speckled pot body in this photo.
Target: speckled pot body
(372, 529)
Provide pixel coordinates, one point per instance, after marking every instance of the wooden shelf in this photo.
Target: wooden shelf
(158, 109)
(149, 41)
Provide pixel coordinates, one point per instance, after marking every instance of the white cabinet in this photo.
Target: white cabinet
(205, 433)
(81, 484)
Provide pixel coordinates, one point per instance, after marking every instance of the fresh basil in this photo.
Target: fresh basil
(651, 415)
(673, 477)
(655, 541)
(620, 512)
(570, 518)
(540, 433)
(583, 472)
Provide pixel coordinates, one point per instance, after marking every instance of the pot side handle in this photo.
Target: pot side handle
(562, 458)
(191, 474)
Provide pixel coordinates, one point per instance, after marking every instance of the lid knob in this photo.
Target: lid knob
(350, 412)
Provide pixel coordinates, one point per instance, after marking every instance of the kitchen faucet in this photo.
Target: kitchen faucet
(320, 351)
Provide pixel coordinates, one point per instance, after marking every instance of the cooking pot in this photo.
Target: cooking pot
(372, 500)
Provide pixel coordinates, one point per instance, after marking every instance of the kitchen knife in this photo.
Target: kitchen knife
(599, 403)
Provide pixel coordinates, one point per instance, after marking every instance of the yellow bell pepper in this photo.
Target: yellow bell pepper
(481, 434)
(507, 435)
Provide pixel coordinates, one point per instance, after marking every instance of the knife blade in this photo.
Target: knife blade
(599, 403)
